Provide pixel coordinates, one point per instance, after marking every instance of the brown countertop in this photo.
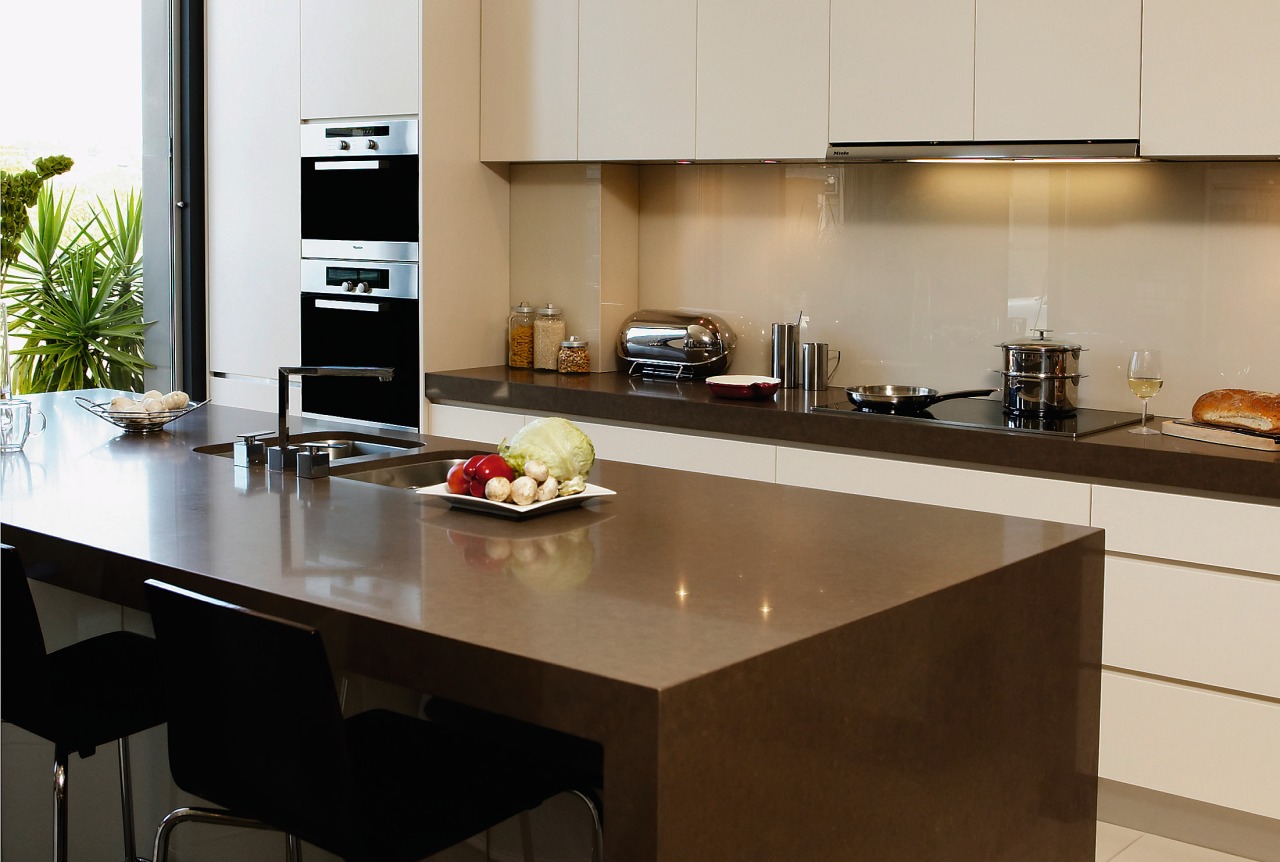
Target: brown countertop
(645, 622)
(1165, 463)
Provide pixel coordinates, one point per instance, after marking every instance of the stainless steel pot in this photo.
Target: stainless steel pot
(1041, 356)
(1040, 394)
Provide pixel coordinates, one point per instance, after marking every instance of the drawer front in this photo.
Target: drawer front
(467, 423)
(975, 490)
(1189, 529)
(696, 454)
(1215, 628)
(1217, 748)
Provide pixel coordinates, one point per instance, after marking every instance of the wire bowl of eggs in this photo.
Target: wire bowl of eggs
(149, 412)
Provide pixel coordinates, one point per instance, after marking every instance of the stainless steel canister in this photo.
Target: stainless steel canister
(785, 363)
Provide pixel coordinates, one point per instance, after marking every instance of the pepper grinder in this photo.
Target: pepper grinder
(786, 354)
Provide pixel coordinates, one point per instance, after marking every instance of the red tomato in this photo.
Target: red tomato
(469, 468)
(494, 465)
(458, 483)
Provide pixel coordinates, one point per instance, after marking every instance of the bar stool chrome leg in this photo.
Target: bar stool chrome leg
(219, 818)
(60, 759)
(292, 848)
(126, 804)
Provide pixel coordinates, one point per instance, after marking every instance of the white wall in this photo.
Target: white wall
(916, 272)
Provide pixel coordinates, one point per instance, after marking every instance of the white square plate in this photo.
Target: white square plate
(511, 510)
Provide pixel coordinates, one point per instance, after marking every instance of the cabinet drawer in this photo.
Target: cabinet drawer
(976, 490)
(467, 423)
(1217, 748)
(1214, 628)
(1189, 529)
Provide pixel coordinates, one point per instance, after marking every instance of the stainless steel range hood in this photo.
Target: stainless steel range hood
(904, 151)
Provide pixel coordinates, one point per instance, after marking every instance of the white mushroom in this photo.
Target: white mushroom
(152, 393)
(176, 400)
(123, 402)
(153, 405)
(548, 489)
(523, 490)
(536, 470)
(497, 489)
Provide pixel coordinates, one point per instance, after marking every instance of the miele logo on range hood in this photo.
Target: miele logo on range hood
(904, 151)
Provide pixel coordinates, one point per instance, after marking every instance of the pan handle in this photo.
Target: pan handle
(963, 393)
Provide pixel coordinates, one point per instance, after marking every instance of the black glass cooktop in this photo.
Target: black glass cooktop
(988, 414)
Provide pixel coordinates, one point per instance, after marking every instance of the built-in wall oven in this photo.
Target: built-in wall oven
(360, 291)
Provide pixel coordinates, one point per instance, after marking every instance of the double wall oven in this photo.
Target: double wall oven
(360, 289)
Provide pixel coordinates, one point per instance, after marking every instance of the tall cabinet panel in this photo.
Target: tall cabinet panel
(359, 59)
(637, 79)
(1210, 78)
(901, 71)
(1048, 70)
(529, 80)
(762, 79)
(254, 215)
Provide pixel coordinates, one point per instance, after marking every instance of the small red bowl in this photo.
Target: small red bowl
(743, 386)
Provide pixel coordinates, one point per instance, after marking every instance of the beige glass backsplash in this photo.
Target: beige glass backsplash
(916, 272)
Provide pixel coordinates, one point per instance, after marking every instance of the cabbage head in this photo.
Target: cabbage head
(554, 441)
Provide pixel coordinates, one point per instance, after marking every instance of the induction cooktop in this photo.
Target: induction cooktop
(988, 414)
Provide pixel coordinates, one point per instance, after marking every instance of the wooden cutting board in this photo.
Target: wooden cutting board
(1225, 436)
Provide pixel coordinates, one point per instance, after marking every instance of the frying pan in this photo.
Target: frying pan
(904, 399)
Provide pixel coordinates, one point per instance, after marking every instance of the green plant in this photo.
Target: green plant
(76, 297)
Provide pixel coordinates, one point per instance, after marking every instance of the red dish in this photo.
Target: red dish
(744, 386)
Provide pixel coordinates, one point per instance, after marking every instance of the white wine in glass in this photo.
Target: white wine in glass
(1146, 376)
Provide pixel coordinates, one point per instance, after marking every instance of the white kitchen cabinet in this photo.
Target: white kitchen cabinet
(358, 59)
(719, 456)
(1212, 746)
(986, 70)
(901, 71)
(762, 79)
(1210, 78)
(253, 189)
(528, 81)
(975, 490)
(469, 423)
(1048, 70)
(637, 74)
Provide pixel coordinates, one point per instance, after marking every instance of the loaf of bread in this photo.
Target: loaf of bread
(1239, 408)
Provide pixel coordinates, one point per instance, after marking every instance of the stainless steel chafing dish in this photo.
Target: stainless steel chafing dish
(675, 344)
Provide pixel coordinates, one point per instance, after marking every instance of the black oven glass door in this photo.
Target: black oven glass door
(360, 198)
(370, 331)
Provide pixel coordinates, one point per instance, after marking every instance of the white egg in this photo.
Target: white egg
(176, 400)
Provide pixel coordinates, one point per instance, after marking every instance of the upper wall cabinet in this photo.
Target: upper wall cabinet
(637, 70)
(901, 71)
(359, 59)
(762, 79)
(528, 81)
(987, 70)
(1211, 78)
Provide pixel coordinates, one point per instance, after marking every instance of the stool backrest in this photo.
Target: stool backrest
(22, 667)
(254, 721)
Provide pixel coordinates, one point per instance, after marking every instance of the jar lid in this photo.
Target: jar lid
(1041, 343)
(573, 341)
(522, 307)
(548, 310)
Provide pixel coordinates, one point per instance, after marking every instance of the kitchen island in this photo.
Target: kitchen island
(773, 673)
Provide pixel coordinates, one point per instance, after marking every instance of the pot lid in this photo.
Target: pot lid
(1040, 343)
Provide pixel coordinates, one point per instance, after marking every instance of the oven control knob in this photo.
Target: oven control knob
(364, 287)
(370, 144)
(348, 287)
(344, 145)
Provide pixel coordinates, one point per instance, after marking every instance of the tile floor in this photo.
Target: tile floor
(1118, 844)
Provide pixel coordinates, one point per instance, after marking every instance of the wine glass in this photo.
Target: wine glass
(1146, 376)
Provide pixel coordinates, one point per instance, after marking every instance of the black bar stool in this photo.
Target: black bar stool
(255, 727)
(93, 692)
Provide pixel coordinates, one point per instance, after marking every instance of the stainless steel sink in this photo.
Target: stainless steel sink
(432, 469)
(341, 445)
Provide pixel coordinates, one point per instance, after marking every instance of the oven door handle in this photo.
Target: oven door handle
(348, 305)
(350, 165)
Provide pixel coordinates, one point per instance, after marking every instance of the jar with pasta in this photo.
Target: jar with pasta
(520, 336)
(573, 358)
(548, 332)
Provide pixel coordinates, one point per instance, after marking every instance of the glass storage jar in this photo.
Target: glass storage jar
(548, 332)
(520, 336)
(574, 358)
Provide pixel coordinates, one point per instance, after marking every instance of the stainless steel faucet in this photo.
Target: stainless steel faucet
(282, 456)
